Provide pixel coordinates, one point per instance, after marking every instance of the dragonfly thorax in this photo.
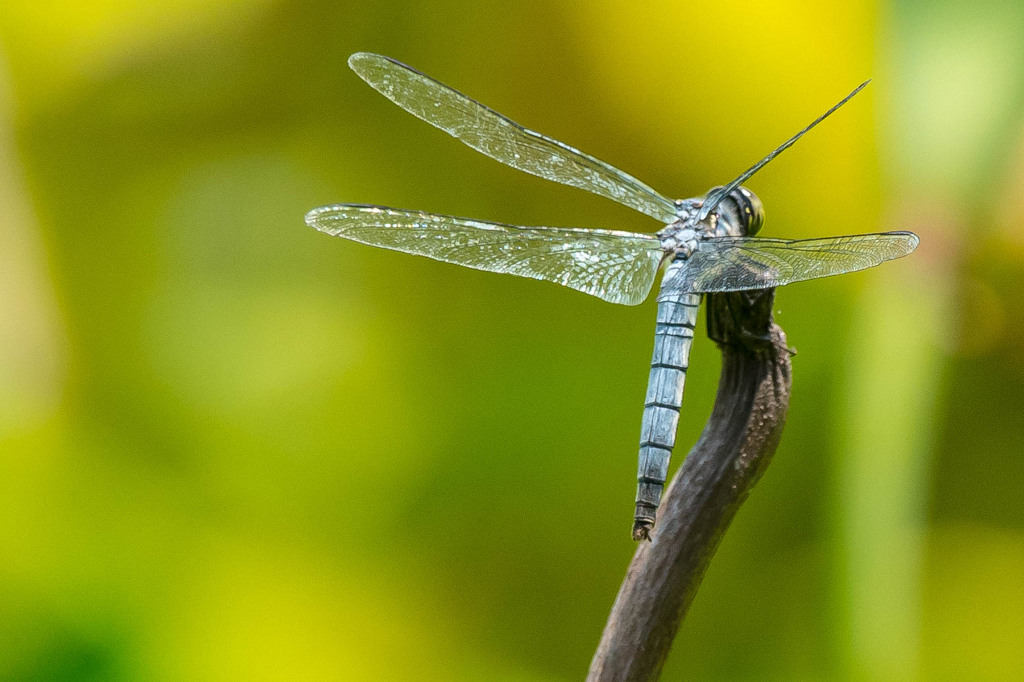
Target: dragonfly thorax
(738, 214)
(681, 237)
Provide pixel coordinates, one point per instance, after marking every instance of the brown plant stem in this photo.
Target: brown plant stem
(733, 451)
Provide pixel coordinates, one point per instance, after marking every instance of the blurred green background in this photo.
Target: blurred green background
(232, 448)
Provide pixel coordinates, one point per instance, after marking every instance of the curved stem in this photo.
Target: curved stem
(733, 451)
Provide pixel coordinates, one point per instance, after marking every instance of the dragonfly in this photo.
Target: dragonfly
(707, 245)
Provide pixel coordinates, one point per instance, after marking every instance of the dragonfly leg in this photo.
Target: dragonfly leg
(757, 339)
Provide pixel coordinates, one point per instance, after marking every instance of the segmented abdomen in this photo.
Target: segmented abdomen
(673, 336)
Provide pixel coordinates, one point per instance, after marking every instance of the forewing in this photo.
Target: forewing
(619, 267)
(715, 196)
(504, 140)
(740, 263)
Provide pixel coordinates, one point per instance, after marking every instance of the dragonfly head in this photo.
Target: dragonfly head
(740, 214)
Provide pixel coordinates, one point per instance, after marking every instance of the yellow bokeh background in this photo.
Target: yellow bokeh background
(232, 448)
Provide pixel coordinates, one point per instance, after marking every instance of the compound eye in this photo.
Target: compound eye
(751, 211)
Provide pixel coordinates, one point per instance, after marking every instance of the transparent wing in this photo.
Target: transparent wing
(739, 263)
(615, 266)
(502, 139)
(715, 196)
